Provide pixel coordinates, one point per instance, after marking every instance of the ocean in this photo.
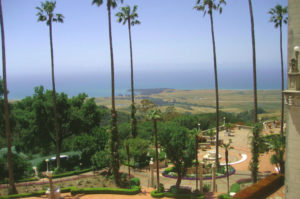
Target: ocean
(99, 85)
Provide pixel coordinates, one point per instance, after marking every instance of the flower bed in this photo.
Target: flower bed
(169, 173)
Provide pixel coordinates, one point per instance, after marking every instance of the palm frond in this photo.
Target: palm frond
(278, 15)
(135, 22)
(42, 18)
(125, 14)
(97, 2)
(134, 8)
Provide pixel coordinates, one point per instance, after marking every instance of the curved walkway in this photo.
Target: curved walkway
(244, 157)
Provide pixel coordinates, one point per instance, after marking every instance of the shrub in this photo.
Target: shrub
(37, 193)
(58, 170)
(161, 188)
(175, 190)
(235, 188)
(156, 194)
(28, 179)
(168, 170)
(22, 168)
(224, 196)
(135, 182)
(70, 173)
(180, 196)
(100, 160)
(134, 190)
(206, 188)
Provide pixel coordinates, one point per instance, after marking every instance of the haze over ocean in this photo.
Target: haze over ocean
(97, 83)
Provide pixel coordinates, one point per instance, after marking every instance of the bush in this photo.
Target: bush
(28, 179)
(70, 173)
(175, 190)
(58, 170)
(37, 193)
(22, 168)
(168, 170)
(180, 196)
(100, 160)
(156, 194)
(134, 190)
(224, 196)
(135, 182)
(206, 188)
(235, 188)
(161, 188)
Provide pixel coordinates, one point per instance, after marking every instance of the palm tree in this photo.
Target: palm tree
(211, 133)
(154, 115)
(11, 188)
(255, 152)
(207, 6)
(227, 147)
(126, 16)
(45, 13)
(279, 16)
(111, 4)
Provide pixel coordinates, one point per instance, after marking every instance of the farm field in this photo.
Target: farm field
(202, 101)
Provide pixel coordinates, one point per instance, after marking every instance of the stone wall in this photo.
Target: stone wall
(292, 174)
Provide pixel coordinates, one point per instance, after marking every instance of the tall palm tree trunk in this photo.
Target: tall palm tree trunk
(12, 188)
(115, 139)
(133, 119)
(254, 150)
(156, 153)
(128, 159)
(216, 88)
(282, 83)
(227, 170)
(54, 97)
(197, 163)
(254, 62)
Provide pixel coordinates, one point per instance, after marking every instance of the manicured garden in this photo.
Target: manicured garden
(220, 173)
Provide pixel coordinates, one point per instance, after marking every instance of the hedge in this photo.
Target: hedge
(71, 173)
(66, 174)
(154, 194)
(262, 188)
(134, 190)
(21, 180)
(37, 193)
(135, 182)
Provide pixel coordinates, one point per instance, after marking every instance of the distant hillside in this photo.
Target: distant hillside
(149, 91)
(202, 101)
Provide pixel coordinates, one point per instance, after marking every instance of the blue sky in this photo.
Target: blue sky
(172, 37)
